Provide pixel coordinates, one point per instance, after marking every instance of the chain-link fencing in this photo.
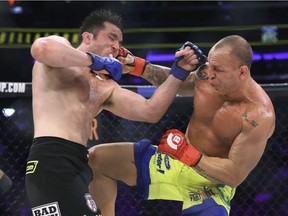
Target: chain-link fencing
(264, 192)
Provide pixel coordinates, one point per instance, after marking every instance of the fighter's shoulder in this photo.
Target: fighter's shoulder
(260, 114)
(265, 105)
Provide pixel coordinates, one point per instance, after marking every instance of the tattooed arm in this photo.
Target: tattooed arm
(157, 74)
(245, 152)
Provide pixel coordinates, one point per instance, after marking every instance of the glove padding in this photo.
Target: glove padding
(202, 59)
(138, 64)
(179, 72)
(174, 143)
(111, 65)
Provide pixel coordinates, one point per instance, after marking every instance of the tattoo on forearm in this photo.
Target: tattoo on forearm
(200, 171)
(251, 122)
(205, 175)
(156, 75)
(202, 75)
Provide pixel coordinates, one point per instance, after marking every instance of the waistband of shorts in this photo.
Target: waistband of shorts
(58, 142)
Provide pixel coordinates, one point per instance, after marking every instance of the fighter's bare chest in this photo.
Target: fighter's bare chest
(215, 126)
(220, 114)
(214, 132)
(94, 92)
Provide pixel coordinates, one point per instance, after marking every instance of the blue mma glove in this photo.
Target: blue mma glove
(202, 59)
(112, 65)
(179, 72)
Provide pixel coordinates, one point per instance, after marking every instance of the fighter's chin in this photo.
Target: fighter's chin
(219, 92)
(213, 86)
(217, 89)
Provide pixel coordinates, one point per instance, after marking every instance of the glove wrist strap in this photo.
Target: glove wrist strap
(178, 72)
(191, 156)
(140, 65)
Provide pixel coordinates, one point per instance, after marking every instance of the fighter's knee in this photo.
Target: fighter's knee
(95, 156)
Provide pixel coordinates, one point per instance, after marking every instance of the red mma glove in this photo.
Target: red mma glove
(174, 143)
(138, 64)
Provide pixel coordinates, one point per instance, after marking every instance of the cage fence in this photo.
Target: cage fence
(264, 192)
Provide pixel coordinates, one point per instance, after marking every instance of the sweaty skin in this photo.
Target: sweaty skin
(67, 96)
(233, 116)
(232, 120)
(236, 117)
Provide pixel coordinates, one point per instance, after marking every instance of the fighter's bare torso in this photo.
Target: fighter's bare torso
(216, 122)
(78, 96)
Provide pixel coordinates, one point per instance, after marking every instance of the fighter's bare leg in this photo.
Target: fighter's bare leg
(110, 162)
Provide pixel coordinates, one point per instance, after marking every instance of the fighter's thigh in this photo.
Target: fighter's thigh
(114, 160)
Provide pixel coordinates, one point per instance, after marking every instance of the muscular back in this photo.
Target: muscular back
(65, 99)
(216, 123)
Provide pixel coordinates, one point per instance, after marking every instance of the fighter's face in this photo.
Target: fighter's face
(107, 42)
(223, 72)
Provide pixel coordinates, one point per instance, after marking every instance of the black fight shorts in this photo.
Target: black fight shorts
(57, 178)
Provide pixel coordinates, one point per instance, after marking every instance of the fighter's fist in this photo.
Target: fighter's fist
(174, 143)
(202, 59)
(131, 64)
(187, 60)
(111, 65)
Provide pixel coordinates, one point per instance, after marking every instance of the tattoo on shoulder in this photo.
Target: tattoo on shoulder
(250, 121)
(202, 75)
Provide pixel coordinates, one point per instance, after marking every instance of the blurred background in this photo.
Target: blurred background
(152, 30)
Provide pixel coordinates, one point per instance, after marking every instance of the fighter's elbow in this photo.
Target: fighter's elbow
(235, 180)
(155, 120)
(233, 184)
(5, 183)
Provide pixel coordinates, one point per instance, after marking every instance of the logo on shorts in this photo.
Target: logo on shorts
(50, 209)
(31, 166)
(90, 202)
(167, 162)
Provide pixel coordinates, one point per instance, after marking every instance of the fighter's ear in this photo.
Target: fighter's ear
(244, 71)
(87, 37)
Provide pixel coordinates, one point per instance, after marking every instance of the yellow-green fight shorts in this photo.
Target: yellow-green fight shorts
(163, 178)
